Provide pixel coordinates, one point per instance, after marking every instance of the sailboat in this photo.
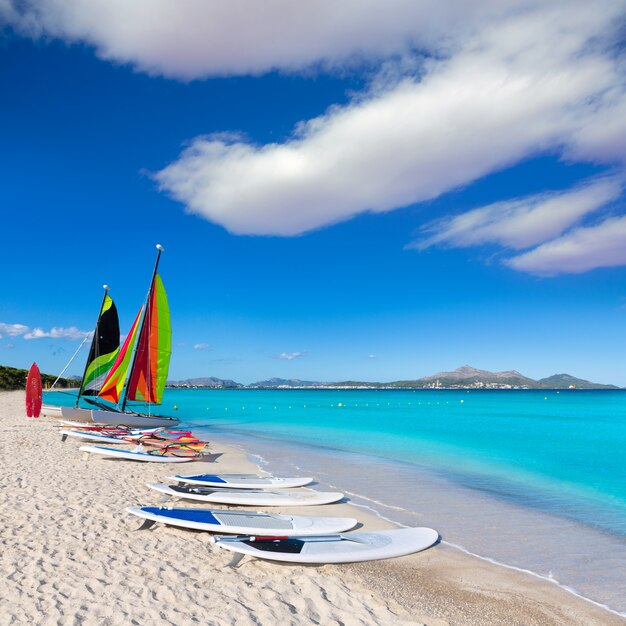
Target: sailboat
(105, 345)
(139, 370)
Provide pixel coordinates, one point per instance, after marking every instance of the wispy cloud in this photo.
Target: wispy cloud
(290, 356)
(535, 80)
(587, 248)
(523, 222)
(200, 38)
(493, 83)
(58, 333)
(15, 330)
(371, 356)
(201, 346)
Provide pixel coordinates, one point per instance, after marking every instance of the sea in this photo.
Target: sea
(533, 480)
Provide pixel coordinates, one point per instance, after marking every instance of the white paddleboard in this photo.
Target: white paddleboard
(343, 548)
(243, 481)
(92, 427)
(247, 497)
(90, 436)
(134, 455)
(237, 522)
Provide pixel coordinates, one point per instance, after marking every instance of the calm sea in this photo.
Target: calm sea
(531, 479)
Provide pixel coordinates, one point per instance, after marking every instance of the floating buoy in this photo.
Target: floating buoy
(175, 408)
(462, 401)
(340, 404)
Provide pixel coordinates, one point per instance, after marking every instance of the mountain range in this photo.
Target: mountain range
(463, 377)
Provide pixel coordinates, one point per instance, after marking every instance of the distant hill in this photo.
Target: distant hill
(210, 381)
(565, 381)
(470, 377)
(465, 377)
(14, 378)
(285, 382)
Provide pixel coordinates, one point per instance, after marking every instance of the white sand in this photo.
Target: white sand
(70, 555)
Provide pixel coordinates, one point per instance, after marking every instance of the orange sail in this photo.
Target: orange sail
(152, 361)
(114, 383)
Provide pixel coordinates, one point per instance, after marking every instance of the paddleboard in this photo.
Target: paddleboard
(243, 481)
(237, 522)
(90, 436)
(131, 455)
(33, 391)
(99, 427)
(247, 497)
(339, 548)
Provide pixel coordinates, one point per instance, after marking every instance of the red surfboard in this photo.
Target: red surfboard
(33, 392)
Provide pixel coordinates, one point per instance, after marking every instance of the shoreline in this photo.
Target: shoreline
(70, 553)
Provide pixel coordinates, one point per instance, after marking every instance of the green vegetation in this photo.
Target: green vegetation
(13, 378)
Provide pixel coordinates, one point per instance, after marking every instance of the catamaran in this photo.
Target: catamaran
(136, 372)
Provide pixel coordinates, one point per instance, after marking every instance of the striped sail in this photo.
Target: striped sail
(152, 361)
(114, 384)
(104, 349)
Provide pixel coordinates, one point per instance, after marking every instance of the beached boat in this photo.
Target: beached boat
(105, 346)
(136, 372)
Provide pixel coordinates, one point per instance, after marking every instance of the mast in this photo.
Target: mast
(160, 249)
(93, 343)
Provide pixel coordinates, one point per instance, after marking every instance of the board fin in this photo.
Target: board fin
(235, 560)
(147, 523)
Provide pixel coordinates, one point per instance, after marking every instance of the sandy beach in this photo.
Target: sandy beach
(71, 555)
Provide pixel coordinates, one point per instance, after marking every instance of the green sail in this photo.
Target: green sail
(104, 349)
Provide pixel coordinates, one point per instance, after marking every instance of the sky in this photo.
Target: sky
(373, 190)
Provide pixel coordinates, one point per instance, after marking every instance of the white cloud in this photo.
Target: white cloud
(371, 356)
(533, 82)
(581, 250)
(499, 81)
(290, 356)
(201, 346)
(58, 333)
(12, 330)
(198, 38)
(15, 330)
(522, 222)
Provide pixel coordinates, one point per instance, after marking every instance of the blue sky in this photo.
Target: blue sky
(341, 194)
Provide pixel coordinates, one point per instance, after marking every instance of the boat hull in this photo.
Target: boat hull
(51, 411)
(116, 418)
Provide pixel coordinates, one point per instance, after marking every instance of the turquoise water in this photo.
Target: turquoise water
(533, 479)
(572, 442)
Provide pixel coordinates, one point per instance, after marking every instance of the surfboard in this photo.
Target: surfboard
(33, 392)
(247, 497)
(243, 481)
(135, 455)
(237, 522)
(338, 548)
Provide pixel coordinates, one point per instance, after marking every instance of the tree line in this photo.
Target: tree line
(14, 378)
